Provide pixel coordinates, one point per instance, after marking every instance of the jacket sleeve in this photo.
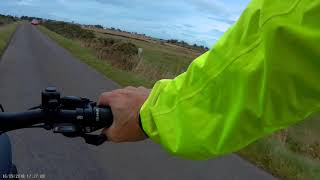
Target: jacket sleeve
(261, 76)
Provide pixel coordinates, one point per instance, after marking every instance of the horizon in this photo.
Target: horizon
(93, 25)
(200, 22)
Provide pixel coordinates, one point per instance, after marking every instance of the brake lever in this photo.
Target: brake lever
(71, 131)
(94, 139)
(34, 108)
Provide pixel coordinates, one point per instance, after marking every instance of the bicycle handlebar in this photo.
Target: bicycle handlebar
(70, 116)
(11, 121)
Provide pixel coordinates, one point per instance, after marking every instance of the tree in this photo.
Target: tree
(98, 26)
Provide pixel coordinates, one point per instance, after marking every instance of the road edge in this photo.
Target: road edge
(2, 52)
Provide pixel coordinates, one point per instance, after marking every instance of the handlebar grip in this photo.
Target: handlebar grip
(104, 115)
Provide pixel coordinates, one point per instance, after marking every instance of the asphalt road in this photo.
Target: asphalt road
(32, 62)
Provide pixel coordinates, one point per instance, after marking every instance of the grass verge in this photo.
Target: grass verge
(6, 32)
(122, 77)
(293, 153)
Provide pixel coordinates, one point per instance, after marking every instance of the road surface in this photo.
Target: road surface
(32, 62)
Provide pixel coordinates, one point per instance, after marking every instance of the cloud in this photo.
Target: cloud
(25, 2)
(188, 25)
(195, 21)
(222, 19)
(209, 6)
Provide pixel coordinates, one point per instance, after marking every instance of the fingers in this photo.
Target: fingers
(106, 98)
(130, 88)
(135, 88)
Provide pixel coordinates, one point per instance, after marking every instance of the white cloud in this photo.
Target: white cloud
(201, 21)
(25, 2)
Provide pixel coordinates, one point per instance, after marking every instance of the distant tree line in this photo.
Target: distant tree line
(98, 26)
(113, 29)
(6, 19)
(28, 18)
(187, 45)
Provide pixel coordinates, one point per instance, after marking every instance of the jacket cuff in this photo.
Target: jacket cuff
(146, 112)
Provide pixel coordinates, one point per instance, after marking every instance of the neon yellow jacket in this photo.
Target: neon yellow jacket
(261, 76)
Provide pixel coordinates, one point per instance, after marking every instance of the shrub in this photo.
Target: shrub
(69, 30)
(125, 48)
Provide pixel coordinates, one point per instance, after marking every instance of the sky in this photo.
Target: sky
(194, 21)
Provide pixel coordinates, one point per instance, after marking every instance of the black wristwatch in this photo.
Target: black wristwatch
(140, 124)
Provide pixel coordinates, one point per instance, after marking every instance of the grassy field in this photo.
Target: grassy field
(5, 34)
(293, 153)
(166, 58)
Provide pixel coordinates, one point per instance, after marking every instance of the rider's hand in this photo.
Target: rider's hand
(125, 105)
